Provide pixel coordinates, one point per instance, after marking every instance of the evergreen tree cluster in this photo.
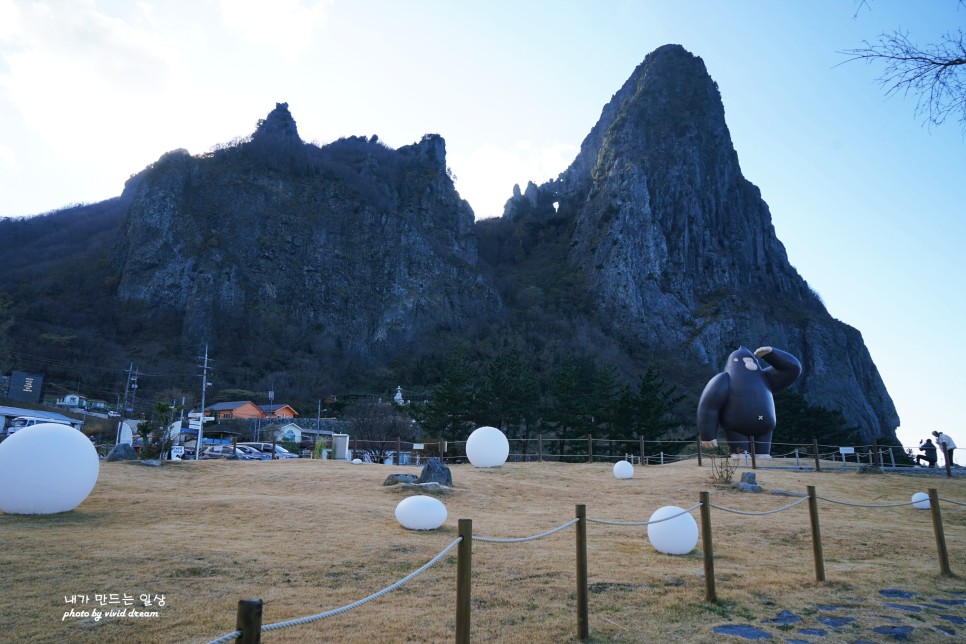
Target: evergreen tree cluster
(578, 397)
(575, 398)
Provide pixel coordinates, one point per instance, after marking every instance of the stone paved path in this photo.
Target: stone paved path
(895, 616)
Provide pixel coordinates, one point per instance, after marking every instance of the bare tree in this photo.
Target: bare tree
(376, 426)
(935, 74)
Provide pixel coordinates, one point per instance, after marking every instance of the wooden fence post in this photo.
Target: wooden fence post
(937, 526)
(249, 621)
(540, 447)
(706, 546)
(583, 626)
(818, 466)
(398, 459)
(590, 448)
(643, 457)
(751, 450)
(949, 472)
(698, 441)
(464, 571)
(816, 534)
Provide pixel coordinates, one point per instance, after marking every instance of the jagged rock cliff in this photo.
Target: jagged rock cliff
(677, 249)
(350, 259)
(353, 243)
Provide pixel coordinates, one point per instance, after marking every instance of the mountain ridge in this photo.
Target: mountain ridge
(651, 246)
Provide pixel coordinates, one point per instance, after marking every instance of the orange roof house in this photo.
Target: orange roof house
(234, 410)
(278, 411)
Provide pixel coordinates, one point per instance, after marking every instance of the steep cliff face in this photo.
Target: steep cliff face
(358, 245)
(677, 249)
(650, 245)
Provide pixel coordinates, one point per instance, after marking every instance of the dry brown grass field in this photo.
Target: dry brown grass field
(309, 536)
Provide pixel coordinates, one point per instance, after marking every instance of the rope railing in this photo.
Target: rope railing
(866, 505)
(347, 607)
(640, 523)
(522, 539)
(749, 513)
(246, 627)
(646, 452)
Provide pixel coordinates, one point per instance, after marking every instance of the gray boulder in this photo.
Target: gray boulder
(396, 479)
(122, 452)
(748, 483)
(436, 472)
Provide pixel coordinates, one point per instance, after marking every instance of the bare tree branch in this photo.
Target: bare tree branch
(935, 74)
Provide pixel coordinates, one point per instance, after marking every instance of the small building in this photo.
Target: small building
(72, 400)
(278, 411)
(235, 410)
(289, 432)
(323, 429)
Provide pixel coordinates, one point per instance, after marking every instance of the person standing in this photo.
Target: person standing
(946, 444)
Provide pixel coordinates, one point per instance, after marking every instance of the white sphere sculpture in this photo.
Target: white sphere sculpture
(357, 461)
(487, 447)
(421, 513)
(920, 501)
(45, 469)
(623, 470)
(677, 536)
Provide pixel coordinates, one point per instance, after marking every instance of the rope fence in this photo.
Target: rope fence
(759, 514)
(522, 539)
(639, 523)
(249, 614)
(638, 451)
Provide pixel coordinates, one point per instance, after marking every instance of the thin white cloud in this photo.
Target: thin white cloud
(78, 76)
(9, 21)
(8, 158)
(486, 176)
(287, 25)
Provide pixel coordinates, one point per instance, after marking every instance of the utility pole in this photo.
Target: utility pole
(204, 386)
(134, 387)
(127, 387)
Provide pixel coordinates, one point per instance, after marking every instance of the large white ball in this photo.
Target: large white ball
(487, 447)
(677, 536)
(920, 501)
(623, 470)
(421, 513)
(45, 469)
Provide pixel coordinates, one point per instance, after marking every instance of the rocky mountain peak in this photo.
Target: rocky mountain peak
(278, 127)
(676, 248)
(651, 249)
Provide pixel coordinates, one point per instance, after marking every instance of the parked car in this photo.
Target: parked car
(113, 414)
(266, 448)
(227, 452)
(251, 451)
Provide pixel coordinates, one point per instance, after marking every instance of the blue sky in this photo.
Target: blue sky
(867, 200)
